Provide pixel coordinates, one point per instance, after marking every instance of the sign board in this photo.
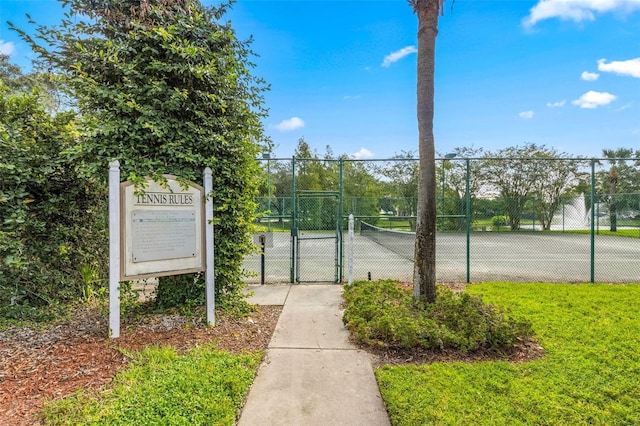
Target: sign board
(266, 236)
(162, 229)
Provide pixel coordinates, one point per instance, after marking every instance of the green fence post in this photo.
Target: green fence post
(593, 237)
(468, 214)
(340, 219)
(293, 220)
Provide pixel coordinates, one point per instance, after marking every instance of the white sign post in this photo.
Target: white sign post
(209, 278)
(163, 230)
(114, 249)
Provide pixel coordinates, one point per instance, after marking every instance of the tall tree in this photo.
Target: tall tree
(556, 175)
(511, 172)
(402, 173)
(360, 188)
(622, 177)
(456, 179)
(532, 173)
(39, 80)
(424, 273)
(11, 75)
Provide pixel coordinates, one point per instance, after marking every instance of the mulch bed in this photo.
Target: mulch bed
(523, 352)
(39, 365)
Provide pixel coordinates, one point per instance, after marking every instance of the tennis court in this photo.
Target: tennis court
(512, 256)
(525, 223)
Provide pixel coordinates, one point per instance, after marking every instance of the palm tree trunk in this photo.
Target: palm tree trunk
(424, 273)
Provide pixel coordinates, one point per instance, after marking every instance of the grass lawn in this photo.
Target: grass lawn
(633, 233)
(590, 373)
(202, 387)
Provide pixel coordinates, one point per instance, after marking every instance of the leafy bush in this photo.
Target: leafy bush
(499, 220)
(383, 314)
(166, 88)
(51, 219)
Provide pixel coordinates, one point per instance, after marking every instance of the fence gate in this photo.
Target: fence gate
(316, 237)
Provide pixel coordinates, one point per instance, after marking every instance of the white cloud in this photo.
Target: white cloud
(558, 104)
(362, 154)
(576, 10)
(351, 97)
(592, 100)
(397, 55)
(589, 76)
(623, 107)
(526, 115)
(630, 67)
(7, 48)
(290, 124)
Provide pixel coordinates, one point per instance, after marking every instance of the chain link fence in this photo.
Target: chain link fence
(515, 219)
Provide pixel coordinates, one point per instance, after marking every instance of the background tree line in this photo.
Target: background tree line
(525, 182)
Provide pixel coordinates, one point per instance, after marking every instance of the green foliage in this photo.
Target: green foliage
(402, 174)
(167, 88)
(50, 220)
(203, 387)
(588, 376)
(522, 173)
(383, 314)
(187, 292)
(499, 220)
(38, 79)
(632, 233)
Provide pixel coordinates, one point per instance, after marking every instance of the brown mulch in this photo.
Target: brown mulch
(36, 366)
(524, 352)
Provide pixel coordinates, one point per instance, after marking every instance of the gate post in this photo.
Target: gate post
(341, 220)
(293, 221)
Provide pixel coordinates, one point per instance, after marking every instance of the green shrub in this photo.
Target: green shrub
(51, 218)
(168, 88)
(499, 220)
(383, 314)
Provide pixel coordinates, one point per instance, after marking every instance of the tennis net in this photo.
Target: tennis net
(399, 242)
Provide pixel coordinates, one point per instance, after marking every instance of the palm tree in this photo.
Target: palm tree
(424, 272)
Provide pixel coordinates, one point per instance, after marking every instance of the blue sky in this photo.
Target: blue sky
(560, 73)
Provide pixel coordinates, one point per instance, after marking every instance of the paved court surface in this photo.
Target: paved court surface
(508, 256)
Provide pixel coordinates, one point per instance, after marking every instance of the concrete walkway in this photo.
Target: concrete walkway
(311, 374)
